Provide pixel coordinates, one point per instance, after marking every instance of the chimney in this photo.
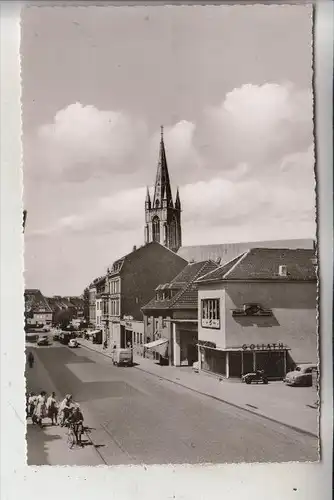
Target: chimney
(134, 248)
(218, 260)
(283, 271)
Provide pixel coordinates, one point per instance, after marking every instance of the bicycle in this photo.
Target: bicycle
(71, 435)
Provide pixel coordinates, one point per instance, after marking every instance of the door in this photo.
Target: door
(247, 362)
(234, 364)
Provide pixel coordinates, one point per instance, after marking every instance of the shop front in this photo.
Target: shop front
(185, 339)
(237, 361)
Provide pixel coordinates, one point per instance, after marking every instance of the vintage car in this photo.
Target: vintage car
(257, 377)
(73, 343)
(122, 357)
(301, 376)
(43, 340)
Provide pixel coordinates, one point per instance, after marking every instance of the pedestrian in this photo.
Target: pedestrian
(105, 344)
(52, 408)
(65, 408)
(40, 408)
(31, 359)
(32, 400)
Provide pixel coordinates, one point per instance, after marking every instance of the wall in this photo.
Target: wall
(115, 334)
(142, 272)
(217, 336)
(293, 322)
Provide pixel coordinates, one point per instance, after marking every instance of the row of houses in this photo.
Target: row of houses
(256, 310)
(47, 311)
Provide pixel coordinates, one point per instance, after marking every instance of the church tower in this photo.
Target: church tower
(162, 216)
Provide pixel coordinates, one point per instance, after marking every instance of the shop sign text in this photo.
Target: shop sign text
(263, 347)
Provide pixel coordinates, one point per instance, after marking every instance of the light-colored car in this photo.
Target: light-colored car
(73, 343)
(43, 340)
(301, 376)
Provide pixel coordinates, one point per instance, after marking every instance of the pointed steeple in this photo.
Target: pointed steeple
(148, 199)
(162, 189)
(177, 200)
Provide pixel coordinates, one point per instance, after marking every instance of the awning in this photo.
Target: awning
(94, 332)
(160, 346)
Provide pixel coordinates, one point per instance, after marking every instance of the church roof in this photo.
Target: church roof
(264, 264)
(162, 189)
(228, 251)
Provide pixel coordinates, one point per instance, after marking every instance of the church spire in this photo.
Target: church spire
(177, 200)
(148, 198)
(162, 189)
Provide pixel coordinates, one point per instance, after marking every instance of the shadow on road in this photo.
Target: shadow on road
(37, 444)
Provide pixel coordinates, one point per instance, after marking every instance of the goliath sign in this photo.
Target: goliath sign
(264, 347)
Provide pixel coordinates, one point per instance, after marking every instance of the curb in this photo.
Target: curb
(216, 398)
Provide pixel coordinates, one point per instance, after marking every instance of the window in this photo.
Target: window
(156, 229)
(210, 313)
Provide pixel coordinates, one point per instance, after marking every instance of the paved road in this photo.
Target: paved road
(139, 418)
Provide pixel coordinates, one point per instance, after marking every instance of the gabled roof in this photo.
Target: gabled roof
(227, 251)
(120, 262)
(36, 302)
(184, 282)
(264, 264)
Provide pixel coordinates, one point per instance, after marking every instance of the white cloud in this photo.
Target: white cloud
(84, 140)
(258, 124)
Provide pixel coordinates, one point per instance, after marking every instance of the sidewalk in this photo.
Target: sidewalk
(290, 406)
(48, 446)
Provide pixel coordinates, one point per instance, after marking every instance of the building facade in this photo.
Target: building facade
(37, 310)
(130, 283)
(259, 312)
(170, 318)
(162, 215)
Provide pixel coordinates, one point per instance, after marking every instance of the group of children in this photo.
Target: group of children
(40, 406)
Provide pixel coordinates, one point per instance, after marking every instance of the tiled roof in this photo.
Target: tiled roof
(36, 302)
(228, 251)
(186, 297)
(58, 302)
(264, 264)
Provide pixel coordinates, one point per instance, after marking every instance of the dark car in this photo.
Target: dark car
(44, 340)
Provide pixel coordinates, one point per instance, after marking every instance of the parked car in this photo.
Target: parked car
(73, 343)
(43, 340)
(301, 376)
(56, 336)
(257, 377)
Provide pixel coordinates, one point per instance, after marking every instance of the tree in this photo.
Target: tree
(86, 304)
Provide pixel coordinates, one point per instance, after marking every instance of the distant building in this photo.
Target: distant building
(259, 312)
(96, 289)
(92, 304)
(170, 318)
(162, 215)
(66, 309)
(225, 252)
(37, 309)
(130, 283)
(98, 312)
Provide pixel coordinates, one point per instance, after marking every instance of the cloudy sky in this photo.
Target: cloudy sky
(231, 85)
